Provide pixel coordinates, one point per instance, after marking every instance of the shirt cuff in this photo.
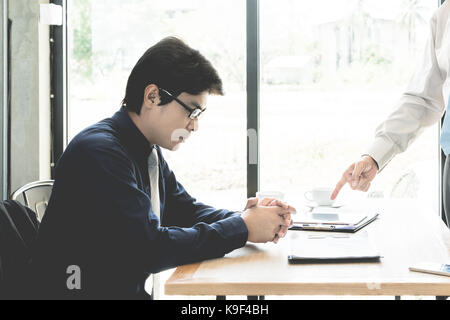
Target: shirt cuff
(382, 151)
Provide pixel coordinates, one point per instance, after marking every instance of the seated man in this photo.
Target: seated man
(117, 213)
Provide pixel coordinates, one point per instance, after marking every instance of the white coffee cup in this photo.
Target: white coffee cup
(320, 195)
(269, 194)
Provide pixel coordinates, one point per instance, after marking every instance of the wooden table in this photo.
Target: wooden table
(404, 234)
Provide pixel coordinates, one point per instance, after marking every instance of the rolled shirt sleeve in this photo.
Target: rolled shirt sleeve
(420, 106)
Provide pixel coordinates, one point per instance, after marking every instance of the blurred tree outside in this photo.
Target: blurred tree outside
(82, 39)
(353, 41)
(289, 36)
(411, 18)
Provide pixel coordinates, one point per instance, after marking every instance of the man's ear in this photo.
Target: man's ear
(151, 96)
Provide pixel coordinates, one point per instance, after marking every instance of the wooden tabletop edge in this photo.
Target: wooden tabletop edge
(183, 272)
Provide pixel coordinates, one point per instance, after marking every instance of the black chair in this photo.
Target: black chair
(18, 231)
(35, 195)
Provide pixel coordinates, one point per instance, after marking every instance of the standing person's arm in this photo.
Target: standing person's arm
(421, 105)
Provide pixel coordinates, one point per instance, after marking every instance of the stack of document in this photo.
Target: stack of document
(325, 219)
(332, 248)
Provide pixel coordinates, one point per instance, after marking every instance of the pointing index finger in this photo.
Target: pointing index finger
(338, 187)
(345, 178)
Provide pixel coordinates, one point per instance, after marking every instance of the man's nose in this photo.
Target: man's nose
(193, 125)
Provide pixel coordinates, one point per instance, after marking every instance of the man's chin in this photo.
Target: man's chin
(174, 146)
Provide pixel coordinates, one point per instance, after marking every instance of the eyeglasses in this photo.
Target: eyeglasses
(193, 113)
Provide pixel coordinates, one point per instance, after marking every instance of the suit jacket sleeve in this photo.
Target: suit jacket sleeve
(156, 248)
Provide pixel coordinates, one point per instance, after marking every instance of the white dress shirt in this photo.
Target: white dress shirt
(423, 103)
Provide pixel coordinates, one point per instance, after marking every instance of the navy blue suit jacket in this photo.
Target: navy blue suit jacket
(99, 218)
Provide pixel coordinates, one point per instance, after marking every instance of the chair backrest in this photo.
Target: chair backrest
(35, 195)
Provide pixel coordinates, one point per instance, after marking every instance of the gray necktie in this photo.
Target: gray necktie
(445, 131)
(153, 173)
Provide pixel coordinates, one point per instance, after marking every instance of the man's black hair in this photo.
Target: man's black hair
(174, 66)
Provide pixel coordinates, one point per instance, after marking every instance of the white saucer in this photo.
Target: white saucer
(313, 204)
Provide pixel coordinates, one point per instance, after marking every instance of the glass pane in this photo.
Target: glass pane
(331, 72)
(107, 37)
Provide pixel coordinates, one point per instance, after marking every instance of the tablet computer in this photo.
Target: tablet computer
(441, 269)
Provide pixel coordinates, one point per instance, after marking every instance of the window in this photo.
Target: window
(331, 72)
(107, 37)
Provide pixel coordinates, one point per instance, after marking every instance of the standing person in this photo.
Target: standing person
(117, 212)
(422, 105)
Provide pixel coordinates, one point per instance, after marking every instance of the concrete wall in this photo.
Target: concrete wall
(30, 101)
